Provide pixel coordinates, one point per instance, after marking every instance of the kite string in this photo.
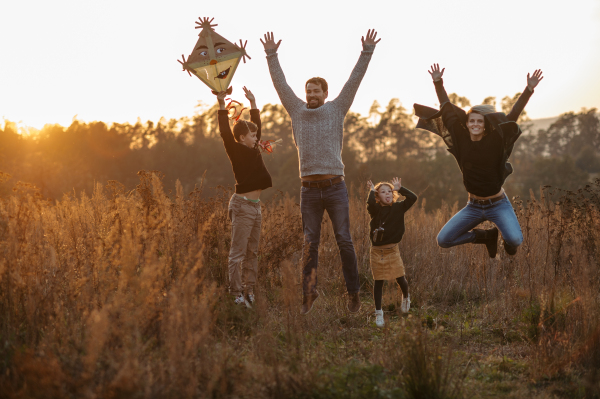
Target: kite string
(237, 108)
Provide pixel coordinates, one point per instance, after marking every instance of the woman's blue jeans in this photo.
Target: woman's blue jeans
(458, 229)
(313, 203)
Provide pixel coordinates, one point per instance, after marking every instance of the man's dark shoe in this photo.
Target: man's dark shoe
(307, 302)
(353, 303)
(509, 248)
(489, 238)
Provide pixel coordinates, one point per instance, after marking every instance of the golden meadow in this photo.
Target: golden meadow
(123, 294)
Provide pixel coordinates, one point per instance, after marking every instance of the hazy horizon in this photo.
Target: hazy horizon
(117, 62)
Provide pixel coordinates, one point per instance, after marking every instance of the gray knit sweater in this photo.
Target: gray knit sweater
(318, 133)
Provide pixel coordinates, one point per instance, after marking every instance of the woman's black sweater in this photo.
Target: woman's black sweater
(484, 163)
(390, 217)
(248, 167)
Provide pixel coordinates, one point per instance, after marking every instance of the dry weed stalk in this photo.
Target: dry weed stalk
(123, 294)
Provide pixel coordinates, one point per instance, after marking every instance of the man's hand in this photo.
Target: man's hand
(370, 185)
(250, 98)
(436, 74)
(221, 99)
(269, 42)
(535, 79)
(370, 40)
(397, 183)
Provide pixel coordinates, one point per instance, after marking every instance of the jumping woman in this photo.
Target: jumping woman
(481, 140)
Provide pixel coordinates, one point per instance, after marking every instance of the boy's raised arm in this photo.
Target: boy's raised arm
(223, 117)
(254, 111)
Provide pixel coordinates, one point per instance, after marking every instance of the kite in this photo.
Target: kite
(214, 59)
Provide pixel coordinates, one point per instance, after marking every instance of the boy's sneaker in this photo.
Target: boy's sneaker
(250, 299)
(379, 322)
(240, 300)
(405, 307)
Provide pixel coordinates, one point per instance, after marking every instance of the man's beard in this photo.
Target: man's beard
(319, 103)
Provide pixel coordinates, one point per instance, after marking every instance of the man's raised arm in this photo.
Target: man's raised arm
(346, 97)
(289, 100)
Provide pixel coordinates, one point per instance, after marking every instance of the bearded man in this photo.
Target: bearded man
(318, 129)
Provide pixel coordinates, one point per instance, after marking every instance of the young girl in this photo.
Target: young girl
(387, 228)
(251, 177)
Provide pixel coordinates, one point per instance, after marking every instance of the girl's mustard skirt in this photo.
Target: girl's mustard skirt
(386, 263)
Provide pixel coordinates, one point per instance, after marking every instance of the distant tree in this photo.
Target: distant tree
(491, 100)
(557, 172)
(508, 102)
(571, 132)
(588, 160)
(457, 100)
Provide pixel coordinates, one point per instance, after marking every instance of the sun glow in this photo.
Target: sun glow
(117, 61)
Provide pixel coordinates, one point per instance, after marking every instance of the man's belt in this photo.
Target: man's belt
(323, 183)
(487, 201)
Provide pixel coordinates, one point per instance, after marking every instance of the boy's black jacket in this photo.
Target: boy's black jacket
(248, 167)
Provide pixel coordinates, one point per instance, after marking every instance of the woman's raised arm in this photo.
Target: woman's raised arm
(532, 82)
(436, 75)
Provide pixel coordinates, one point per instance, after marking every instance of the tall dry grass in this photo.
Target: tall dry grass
(123, 295)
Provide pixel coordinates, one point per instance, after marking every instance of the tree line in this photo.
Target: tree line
(61, 160)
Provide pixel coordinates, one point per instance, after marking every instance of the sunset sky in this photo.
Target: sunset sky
(116, 61)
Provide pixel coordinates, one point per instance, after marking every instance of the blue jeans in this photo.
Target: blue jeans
(313, 202)
(458, 229)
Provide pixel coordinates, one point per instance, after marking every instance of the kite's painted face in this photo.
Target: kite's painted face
(214, 59)
(221, 48)
(315, 96)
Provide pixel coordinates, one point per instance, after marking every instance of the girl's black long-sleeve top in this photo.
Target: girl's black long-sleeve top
(390, 217)
(484, 163)
(248, 166)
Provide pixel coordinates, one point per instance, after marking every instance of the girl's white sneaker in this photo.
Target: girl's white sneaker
(405, 305)
(379, 322)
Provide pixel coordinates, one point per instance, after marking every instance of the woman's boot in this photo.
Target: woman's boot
(489, 238)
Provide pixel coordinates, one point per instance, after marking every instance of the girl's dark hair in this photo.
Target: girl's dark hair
(242, 128)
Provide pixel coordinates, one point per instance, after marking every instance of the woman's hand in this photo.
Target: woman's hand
(397, 183)
(370, 40)
(436, 74)
(221, 99)
(269, 42)
(250, 98)
(535, 79)
(370, 185)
